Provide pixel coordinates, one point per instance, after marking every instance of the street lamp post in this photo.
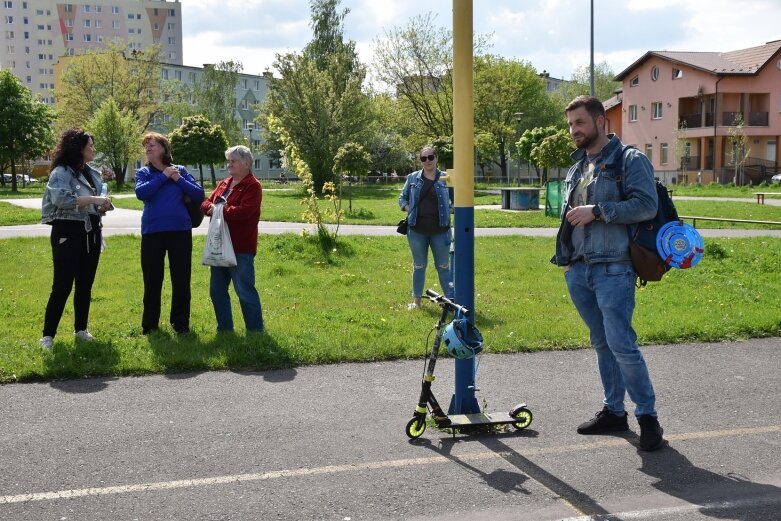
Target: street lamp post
(518, 116)
(250, 127)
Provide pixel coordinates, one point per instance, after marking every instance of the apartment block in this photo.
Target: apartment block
(34, 34)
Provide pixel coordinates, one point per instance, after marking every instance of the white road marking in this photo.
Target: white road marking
(655, 513)
(370, 465)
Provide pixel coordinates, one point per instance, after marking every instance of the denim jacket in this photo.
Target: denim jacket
(62, 189)
(410, 196)
(607, 240)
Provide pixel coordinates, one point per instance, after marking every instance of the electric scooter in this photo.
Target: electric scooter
(520, 416)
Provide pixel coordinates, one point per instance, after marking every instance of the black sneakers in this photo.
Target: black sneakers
(604, 421)
(650, 433)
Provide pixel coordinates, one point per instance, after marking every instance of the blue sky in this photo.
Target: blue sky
(551, 34)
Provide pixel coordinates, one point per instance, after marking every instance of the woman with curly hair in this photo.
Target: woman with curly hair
(73, 204)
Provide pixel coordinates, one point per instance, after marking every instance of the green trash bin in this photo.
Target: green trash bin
(553, 196)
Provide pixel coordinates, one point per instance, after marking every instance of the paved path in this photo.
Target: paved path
(121, 221)
(328, 443)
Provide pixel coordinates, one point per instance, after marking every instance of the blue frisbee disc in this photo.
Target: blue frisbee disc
(680, 245)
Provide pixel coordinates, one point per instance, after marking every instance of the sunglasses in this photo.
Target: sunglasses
(432, 157)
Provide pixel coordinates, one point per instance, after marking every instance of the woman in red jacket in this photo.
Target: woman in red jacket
(240, 194)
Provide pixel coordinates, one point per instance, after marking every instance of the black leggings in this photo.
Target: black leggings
(179, 247)
(75, 257)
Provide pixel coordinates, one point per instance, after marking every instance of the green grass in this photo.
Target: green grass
(351, 306)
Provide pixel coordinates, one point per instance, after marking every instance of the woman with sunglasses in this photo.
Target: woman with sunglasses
(426, 200)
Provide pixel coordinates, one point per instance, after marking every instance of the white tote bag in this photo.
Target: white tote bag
(218, 250)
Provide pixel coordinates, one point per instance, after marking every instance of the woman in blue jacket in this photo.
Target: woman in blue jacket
(426, 200)
(166, 228)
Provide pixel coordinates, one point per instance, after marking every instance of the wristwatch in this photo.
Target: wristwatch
(597, 212)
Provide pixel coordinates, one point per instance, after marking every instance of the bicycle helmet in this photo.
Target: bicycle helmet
(462, 339)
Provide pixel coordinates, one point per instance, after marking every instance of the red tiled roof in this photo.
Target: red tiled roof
(741, 62)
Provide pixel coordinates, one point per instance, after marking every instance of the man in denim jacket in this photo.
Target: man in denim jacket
(592, 246)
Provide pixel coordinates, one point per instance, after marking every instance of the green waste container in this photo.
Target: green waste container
(553, 196)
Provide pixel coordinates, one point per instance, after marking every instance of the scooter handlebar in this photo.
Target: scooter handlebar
(445, 302)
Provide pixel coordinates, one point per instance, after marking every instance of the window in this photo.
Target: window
(68, 37)
(178, 75)
(98, 24)
(171, 26)
(654, 73)
(244, 83)
(98, 8)
(87, 23)
(9, 34)
(172, 12)
(68, 22)
(131, 31)
(164, 73)
(156, 26)
(115, 24)
(9, 19)
(632, 112)
(26, 21)
(677, 74)
(99, 38)
(634, 82)
(11, 49)
(130, 16)
(114, 9)
(68, 8)
(26, 35)
(171, 40)
(87, 37)
(649, 152)
(663, 154)
(155, 11)
(86, 8)
(657, 110)
(8, 4)
(257, 84)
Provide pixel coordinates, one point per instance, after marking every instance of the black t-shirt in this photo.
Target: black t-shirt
(427, 222)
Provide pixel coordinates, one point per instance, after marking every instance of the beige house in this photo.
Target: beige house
(681, 108)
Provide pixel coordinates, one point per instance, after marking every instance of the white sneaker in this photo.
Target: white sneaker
(84, 335)
(46, 342)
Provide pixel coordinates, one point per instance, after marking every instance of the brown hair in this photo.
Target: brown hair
(593, 106)
(167, 158)
(70, 148)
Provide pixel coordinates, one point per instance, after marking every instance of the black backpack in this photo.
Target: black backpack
(642, 245)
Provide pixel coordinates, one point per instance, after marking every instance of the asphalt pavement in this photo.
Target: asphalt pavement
(328, 442)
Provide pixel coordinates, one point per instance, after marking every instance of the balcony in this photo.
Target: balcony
(758, 119)
(691, 120)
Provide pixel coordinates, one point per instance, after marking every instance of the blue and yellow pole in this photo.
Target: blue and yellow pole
(463, 401)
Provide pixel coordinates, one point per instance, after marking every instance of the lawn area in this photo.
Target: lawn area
(351, 306)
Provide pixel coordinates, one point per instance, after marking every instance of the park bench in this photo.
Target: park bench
(694, 219)
(761, 196)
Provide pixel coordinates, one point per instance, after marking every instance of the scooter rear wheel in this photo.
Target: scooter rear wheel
(524, 417)
(416, 427)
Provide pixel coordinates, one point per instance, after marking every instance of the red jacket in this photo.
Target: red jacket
(241, 211)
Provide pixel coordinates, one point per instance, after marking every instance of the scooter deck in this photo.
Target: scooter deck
(481, 418)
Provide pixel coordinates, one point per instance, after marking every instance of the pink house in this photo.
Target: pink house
(680, 107)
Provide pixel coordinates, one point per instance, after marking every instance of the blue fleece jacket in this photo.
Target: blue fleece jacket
(164, 209)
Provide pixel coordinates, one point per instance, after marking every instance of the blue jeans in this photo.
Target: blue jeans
(604, 295)
(243, 277)
(419, 245)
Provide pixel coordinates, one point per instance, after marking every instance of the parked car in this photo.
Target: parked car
(776, 179)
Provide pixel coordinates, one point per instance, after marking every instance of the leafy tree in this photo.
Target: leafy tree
(444, 149)
(739, 151)
(553, 152)
(25, 124)
(580, 84)
(416, 62)
(318, 99)
(503, 88)
(530, 139)
(389, 135)
(352, 159)
(216, 97)
(91, 78)
(486, 148)
(197, 142)
(117, 137)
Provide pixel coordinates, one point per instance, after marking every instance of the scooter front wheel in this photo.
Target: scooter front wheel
(416, 427)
